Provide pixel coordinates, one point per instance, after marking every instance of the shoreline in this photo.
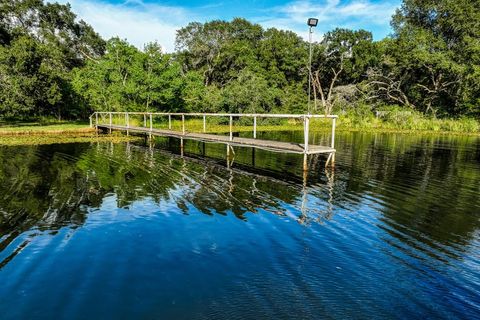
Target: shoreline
(82, 130)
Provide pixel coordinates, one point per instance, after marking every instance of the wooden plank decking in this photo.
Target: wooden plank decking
(271, 145)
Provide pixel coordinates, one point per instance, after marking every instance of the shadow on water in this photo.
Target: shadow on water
(412, 198)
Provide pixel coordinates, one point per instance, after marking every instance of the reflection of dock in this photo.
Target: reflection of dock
(104, 120)
(309, 211)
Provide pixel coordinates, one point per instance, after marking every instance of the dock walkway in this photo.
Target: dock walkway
(271, 145)
(103, 120)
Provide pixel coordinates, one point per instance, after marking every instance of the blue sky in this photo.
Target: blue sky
(142, 21)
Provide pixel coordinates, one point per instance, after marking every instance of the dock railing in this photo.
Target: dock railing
(305, 117)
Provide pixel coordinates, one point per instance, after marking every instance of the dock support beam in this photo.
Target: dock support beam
(169, 122)
(306, 125)
(183, 124)
(231, 125)
(254, 127)
(151, 126)
(333, 141)
(333, 133)
(128, 122)
(181, 147)
(204, 124)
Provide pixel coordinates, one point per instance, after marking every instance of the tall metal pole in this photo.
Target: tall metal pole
(309, 66)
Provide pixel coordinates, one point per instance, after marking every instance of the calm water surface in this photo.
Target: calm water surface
(103, 230)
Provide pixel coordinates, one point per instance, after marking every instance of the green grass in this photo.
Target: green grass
(399, 121)
(73, 137)
(29, 128)
(343, 123)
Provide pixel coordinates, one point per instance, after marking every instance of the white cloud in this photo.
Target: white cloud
(140, 22)
(134, 20)
(331, 14)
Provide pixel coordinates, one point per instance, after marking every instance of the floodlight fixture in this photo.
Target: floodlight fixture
(312, 22)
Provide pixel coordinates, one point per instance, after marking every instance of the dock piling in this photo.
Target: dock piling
(231, 125)
(333, 133)
(306, 123)
(183, 124)
(127, 119)
(151, 126)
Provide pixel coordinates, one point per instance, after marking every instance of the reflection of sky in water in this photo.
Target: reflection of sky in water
(377, 236)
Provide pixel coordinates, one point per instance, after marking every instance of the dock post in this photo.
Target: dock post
(231, 124)
(183, 124)
(144, 120)
(96, 121)
(333, 133)
(128, 122)
(333, 140)
(91, 124)
(306, 122)
(110, 121)
(151, 126)
(169, 122)
(204, 124)
(254, 127)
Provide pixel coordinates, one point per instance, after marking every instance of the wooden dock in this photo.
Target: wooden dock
(104, 120)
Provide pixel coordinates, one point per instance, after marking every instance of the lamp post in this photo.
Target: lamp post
(311, 22)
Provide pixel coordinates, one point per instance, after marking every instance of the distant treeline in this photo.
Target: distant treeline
(54, 65)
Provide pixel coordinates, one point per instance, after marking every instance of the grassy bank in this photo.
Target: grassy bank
(343, 124)
(406, 121)
(32, 128)
(393, 122)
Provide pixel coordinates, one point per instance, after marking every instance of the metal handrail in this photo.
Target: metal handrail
(199, 114)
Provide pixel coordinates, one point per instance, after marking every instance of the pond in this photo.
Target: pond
(134, 230)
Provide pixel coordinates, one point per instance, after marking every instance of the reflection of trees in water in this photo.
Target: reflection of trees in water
(428, 186)
(42, 189)
(53, 185)
(426, 192)
(42, 186)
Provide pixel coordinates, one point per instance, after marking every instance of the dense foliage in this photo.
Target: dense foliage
(40, 44)
(52, 64)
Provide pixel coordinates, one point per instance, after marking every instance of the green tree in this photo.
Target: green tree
(40, 44)
(437, 44)
(127, 79)
(342, 57)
